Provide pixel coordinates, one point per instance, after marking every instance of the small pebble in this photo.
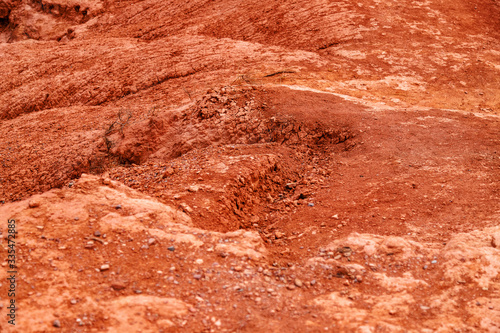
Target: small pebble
(104, 267)
(33, 203)
(118, 286)
(118, 206)
(171, 248)
(56, 323)
(97, 233)
(434, 262)
(310, 204)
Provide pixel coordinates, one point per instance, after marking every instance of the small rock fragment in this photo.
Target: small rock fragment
(104, 267)
(298, 283)
(56, 323)
(171, 248)
(168, 172)
(151, 241)
(193, 188)
(495, 241)
(279, 234)
(118, 286)
(33, 203)
(186, 208)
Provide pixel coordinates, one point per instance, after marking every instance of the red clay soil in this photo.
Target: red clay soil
(222, 166)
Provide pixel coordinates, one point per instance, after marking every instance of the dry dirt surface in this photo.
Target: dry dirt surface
(248, 166)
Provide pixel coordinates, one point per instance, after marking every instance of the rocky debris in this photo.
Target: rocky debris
(372, 245)
(464, 251)
(125, 231)
(243, 244)
(400, 279)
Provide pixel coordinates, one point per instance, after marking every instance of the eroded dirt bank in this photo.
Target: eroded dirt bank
(238, 166)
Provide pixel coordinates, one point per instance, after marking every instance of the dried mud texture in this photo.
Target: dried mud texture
(226, 118)
(44, 20)
(220, 166)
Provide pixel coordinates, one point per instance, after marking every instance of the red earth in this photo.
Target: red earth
(221, 166)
